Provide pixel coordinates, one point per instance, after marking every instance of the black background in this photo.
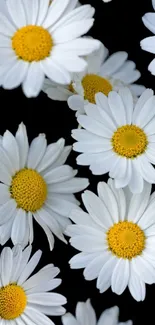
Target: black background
(119, 26)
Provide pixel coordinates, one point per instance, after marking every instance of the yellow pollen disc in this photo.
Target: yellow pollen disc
(32, 43)
(28, 189)
(93, 84)
(13, 301)
(129, 141)
(126, 239)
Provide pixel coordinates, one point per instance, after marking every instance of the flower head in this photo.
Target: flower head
(103, 74)
(24, 298)
(43, 39)
(116, 239)
(35, 183)
(119, 138)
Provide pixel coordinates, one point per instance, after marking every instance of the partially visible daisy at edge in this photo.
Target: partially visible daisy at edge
(103, 74)
(35, 184)
(148, 43)
(41, 39)
(85, 315)
(118, 137)
(25, 299)
(116, 239)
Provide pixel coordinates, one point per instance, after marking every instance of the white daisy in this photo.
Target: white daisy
(101, 75)
(85, 315)
(35, 183)
(116, 239)
(148, 43)
(25, 300)
(119, 138)
(43, 40)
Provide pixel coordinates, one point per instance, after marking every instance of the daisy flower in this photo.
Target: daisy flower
(85, 315)
(119, 138)
(116, 239)
(25, 299)
(148, 43)
(42, 39)
(35, 183)
(102, 75)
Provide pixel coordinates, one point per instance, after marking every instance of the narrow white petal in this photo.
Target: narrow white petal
(127, 99)
(81, 260)
(136, 286)
(4, 194)
(19, 227)
(11, 147)
(23, 146)
(47, 231)
(106, 195)
(59, 174)
(104, 278)
(148, 93)
(17, 13)
(109, 316)
(144, 269)
(36, 151)
(47, 299)
(73, 185)
(6, 265)
(93, 269)
(53, 151)
(121, 199)
(117, 108)
(29, 268)
(55, 72)
(7, 210)
(33, 81)
(113, 63)
(21, 266)
(69, 319)
(120, 276)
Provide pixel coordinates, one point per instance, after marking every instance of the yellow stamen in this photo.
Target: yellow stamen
(94, 84)
(129, 141)
(28, 189)
(32, 43)
(126, 239)
(13, 301)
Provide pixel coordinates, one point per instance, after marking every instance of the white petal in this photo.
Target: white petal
(33, 316)
(52, 153)
(11, 147)
(69, 61)
(36, 151)
(97, 209)
(6, 265)
(17, 13)
(81, 260)
(54, 13)
(7, 210)
(147, 218)
(29, 268)
(44, 287)
(31, 230)
(6, 27)
(106, 195)
(48, 310)
(104, 278)
(85, 313)
(62, 207)
(136, 286)
(147, 113)
(59, 174)
(43, 9)
(15, 75)
(102, 102)
(121, 199)
(46, 299)
(73, 185)
(21, 266)
(44, 275)
(4, 194)
(127, 99)
(117, 108)
(33, 81)
(54, 71)
(69, 319)
(148, 20)
(84, 243)
(47, 231)
(79, 46)
(19, 227)
(17, 257)
(93, 269)
(31, 11)
(144, 269)
(148, 44)
(148, 93)
(23, 146)
(146, 169)
(139, 203)
(124, 181)
(120, 276)
(109, 316)
(94, 126)
(136, 182)
(113, 63)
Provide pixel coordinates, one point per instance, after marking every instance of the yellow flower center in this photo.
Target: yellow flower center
(28, 189)
(129, 141)
(13, 301)
(126, 239)
(32, 43)
(94, 84)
